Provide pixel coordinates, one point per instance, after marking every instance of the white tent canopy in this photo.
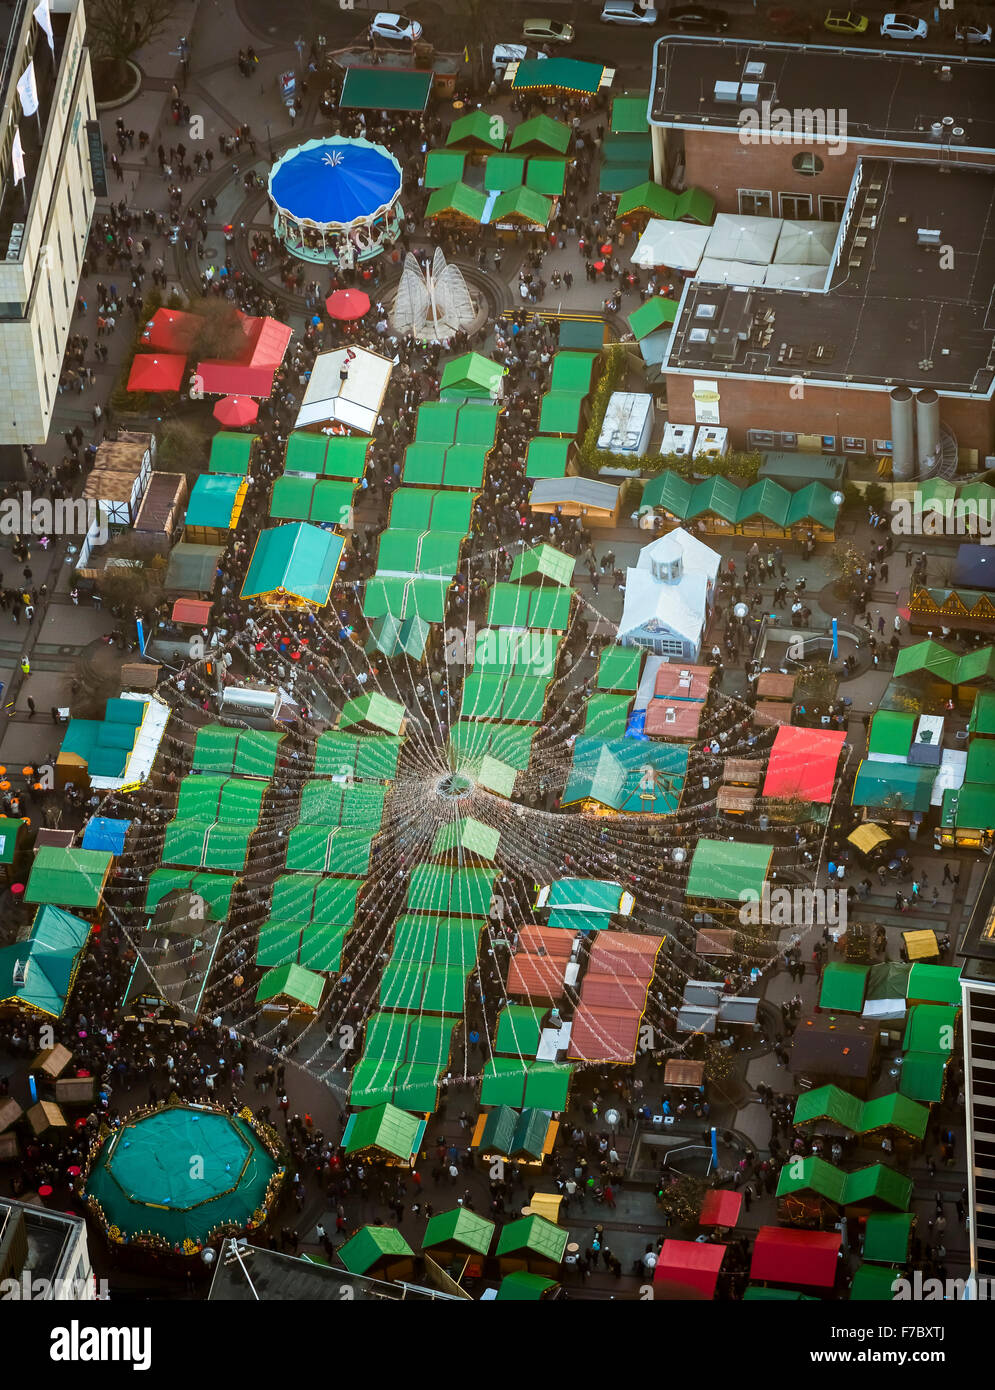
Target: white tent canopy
(735, 236)
(806, 243)
(679, 245)
(354, 402)
(731, 272)
(795, 277)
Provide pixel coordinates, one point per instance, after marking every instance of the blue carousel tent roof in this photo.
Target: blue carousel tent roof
(335, 181)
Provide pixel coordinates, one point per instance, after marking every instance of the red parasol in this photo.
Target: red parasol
(347, 304)
(236, 410)
(599, 265)
(606, 250)
(45, 1190)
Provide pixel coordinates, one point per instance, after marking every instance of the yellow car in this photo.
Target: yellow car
(846, 22)
(547, 31)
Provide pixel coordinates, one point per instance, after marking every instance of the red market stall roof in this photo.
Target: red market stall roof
(231, 379)
(685, 1266)
(163, 371)
(172, 330)
(796, 1257)
(721, 1207)
(194, 611)
(267, 341)
(537, 976)
(675, 681)
(803, 763)
(673, 718)
(613, 997)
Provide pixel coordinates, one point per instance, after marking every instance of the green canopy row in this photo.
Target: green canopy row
(546, 606)
(838, 1107)
(326, 456)
(244, 752)
(459, 421)
(490, 695)
(215, 889)
(427, 463)
(206, 796)
(873, 1183)
(525, 1084)
(415, 509)
(735, 505)
(330, 803)
(370, 757)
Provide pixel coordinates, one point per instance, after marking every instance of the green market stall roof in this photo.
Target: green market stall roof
(891, 733)
(472, 740)
(887, 1236)
(214, 889)
(385, 89)
(560, 412)
(874, 1284)
(522, 1286)
(522, 1084)
(523, 204)
(466, 836)
(734, 505)
(418, 509)
(375, 710)
(648, 197)
(923, 1076)
(843, 987)
(373, 1245)
(543, 562)
(934, 984)
(606, 715)
(838, 1107)
(457, 198)
(319, 500)
(244, 752)
(519, 1028)
(479, 128)
(68, 877)
(10, 829)
(619, 668)
(613, 772)
(875, 1182)
(562, 74)
(542, 131)
(372, 757)
(459, 1227)
(192, 568)
(456, 892)
(403, 597)
(38, 973)
(473, 375)
(503, 171)
(291, 982)
(443, 167)
(546, 607)
(300, 561)
(231, 452)
(142, 1180)
(216, 501)
(931, 659)
(399, 636)
(900, 786)
(654, 314)
(515, 1135)
(728, 870)
(982, 720)
(326, 456)
(533, 1235)
(629, 113)
(384, 1127)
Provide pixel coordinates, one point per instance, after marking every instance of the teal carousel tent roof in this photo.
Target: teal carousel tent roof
(144, 1179)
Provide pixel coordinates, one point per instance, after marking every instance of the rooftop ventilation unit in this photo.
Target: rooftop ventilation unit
(957, 134)
(726, 91)
(750, 92)
(927, 236)
(754, 69)
(698, 335)
(704, 311)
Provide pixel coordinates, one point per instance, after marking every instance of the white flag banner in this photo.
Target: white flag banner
(44, 21)
(27, 90)
(17, 157)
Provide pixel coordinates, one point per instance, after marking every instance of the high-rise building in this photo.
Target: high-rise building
(977, 949)
(44, 1256)
(46, 202)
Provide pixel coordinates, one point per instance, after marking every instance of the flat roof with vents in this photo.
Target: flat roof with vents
(890, 97)
(892, 314)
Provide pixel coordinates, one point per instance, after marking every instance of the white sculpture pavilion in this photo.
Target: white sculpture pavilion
(432, 303)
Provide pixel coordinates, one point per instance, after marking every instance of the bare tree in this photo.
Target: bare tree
(116, 30)
(220, 331)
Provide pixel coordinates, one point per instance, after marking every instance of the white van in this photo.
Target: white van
(507, 53)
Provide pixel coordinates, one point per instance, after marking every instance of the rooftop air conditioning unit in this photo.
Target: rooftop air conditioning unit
(754, 69)
(750, 92)
(726, 91)
(957, 134)
(927, 236)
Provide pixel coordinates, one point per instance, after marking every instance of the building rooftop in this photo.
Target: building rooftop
(50, 1237)
(289, 1279)
(977, 946)
(892, 313)
(887, 96)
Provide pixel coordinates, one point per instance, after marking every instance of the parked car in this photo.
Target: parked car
(903, 26)
(698, 18)
(627, 12)
(505, 54)
(846, 22)
(974, 33)
(547, 31)
(395, 26)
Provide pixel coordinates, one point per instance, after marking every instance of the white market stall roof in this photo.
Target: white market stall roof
(795, 277)
(355, 402)
(731, 272)
(679, 245)
(953, 767)
(736, 236)
(806, 243)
